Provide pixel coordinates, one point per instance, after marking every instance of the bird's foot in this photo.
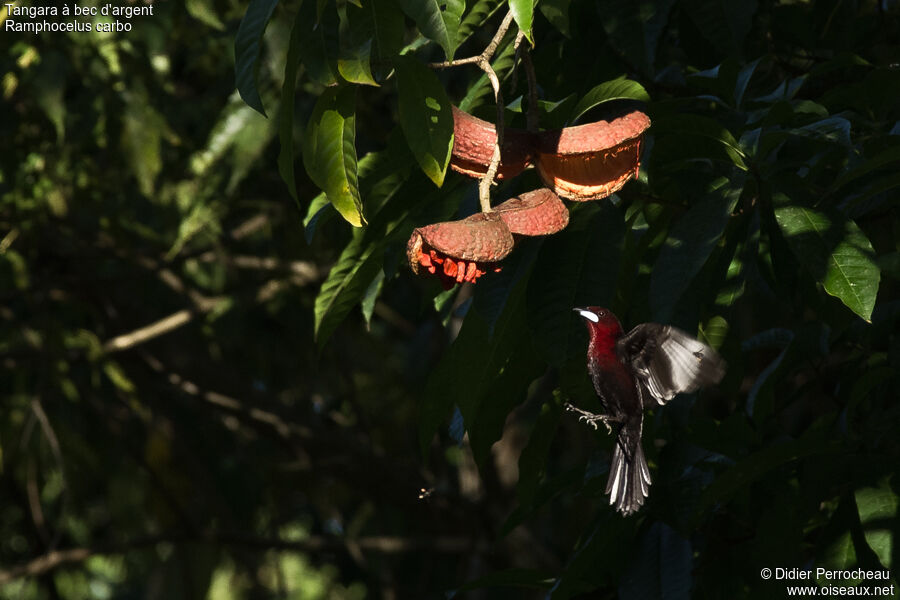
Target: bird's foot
(588, 417)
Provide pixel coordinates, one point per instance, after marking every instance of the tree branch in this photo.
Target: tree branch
(483, 61)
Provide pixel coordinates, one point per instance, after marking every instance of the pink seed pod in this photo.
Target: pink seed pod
(592, 161)
(539, 212)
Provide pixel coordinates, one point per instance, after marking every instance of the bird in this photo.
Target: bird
(632, 371)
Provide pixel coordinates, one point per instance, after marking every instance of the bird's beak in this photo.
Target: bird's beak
(587, 314)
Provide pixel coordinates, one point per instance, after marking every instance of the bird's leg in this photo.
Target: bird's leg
(591, 418)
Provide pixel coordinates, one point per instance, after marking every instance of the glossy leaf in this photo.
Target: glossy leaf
(425, 116)
(878, 516)
(837, 254)
(523, 14)
(438, 25)
(357, 32)
(347, 283)
(617, 89)
(329, 152)
(246, 50)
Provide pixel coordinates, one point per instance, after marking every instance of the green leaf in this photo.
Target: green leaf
(435, 24)
(142, 129)
(388, 29)
(329, 152)
(425, 117)
(836, 252)
(356, 37)
(478, 14)
(878, 516)
(523, 14)
(246, 50)
(384, 178)
(557, 12)
(286, 110)
(205, 12)
(617, 89)
(743, 80)
(577, 267)
(370, 297)
(347, 283)
(689, 244)
(319, 42)
(687, 125)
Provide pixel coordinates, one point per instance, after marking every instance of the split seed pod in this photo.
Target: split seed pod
(473, 147)
(458, 251)
(592, 161)
(539, 212)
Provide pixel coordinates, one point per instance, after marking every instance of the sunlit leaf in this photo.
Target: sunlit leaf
(329, 152)
(357, 33)
(436, 24)
(425, 116)
(877, 514)
(836, 253)
(617, 89)
(523, 14)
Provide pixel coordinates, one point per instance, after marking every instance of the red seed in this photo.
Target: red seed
(450, 268)
(470, 272)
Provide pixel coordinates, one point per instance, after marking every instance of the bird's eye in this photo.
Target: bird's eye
(601, 313)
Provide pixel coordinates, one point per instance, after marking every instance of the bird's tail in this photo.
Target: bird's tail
(629, 476)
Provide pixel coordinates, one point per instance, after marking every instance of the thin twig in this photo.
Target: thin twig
(50, 434)
(148, 332)
(486, 55)
(284, 429)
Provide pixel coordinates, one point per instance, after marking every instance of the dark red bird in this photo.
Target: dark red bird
(630, 371)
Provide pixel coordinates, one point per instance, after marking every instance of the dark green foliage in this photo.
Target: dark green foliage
(191, 398)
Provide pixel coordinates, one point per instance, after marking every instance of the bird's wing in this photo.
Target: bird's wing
(668, 361)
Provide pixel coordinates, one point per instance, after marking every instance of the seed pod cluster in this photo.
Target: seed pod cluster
(586, 162)
(458, 251)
